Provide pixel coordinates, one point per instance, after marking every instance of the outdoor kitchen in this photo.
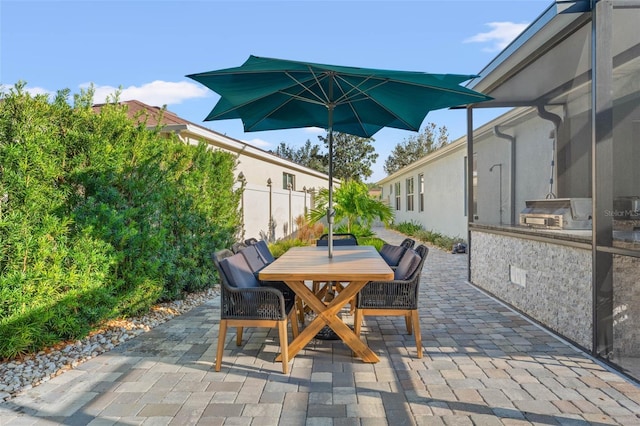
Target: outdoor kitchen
(555, 226)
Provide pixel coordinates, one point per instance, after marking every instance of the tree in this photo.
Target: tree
(415, 147)
(307, 155)
(353, 156)
(285, 151)
(312, 156)
(353, 206)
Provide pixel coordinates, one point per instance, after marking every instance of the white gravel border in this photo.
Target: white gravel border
(22, 374)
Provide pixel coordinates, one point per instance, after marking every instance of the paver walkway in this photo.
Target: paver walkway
(483, 365)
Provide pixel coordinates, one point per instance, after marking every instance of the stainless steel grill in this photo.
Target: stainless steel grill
(557, 213)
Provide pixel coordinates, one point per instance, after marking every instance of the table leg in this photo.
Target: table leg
(327, 314)
(347, 335)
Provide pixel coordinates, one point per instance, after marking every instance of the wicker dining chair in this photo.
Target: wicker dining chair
(392, 254)
(250, 241)
(340, 239)
(398, 297)
(263, 249)
(237, 246)
(408, 243)
(245, 303)
(257, 262)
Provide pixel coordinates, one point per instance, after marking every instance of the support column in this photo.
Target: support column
(602, 175)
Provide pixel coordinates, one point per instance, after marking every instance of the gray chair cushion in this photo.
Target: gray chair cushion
(238, 272)
(253, 258)
(263, 249)
(407, 266)
(392, 254)
(257, 263)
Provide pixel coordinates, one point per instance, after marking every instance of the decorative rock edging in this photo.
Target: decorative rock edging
(34, 369)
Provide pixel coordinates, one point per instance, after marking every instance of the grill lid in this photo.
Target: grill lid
(557, 213)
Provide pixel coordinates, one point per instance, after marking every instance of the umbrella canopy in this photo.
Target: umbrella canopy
(271, 94)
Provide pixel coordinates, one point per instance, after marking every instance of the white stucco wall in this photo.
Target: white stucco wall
(533, 168)
(445, 194)
(444, 174)
(445, 177)
(257, 167)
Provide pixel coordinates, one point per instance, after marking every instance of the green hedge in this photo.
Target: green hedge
(100, 217)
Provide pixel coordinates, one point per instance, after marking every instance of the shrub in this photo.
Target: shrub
(360, 231)
(280, 247)
(100, 217)
(408, 228)
(308, 231)
(371, 241)
(354, 208)
(414, 229)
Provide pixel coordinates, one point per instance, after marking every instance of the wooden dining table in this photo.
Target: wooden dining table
(355, 265)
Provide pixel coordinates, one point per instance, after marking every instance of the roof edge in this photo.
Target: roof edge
(551, 13)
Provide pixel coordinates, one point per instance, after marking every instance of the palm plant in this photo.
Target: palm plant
(354, 207)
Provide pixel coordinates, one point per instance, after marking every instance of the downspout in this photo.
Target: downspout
(556, 120)
(512, 170)
(470, 211)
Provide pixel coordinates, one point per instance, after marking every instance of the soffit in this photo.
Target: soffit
(551, 55)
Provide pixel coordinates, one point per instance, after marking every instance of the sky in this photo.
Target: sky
(145, 48)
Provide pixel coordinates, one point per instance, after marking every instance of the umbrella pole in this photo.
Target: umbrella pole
(330, 208)
(330, 106)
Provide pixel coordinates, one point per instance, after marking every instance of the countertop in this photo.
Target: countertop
(626, 238)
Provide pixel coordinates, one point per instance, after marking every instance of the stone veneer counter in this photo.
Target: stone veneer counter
(537, 274)
(547, 274)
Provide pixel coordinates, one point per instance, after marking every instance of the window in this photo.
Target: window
(421, 192)
(397, 193)
(410, 194)
(288, 179)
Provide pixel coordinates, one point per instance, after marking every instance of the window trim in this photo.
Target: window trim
(421, 192)
(286, 181)
(410, 186)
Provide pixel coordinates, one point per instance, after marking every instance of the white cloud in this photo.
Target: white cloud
(156, 93)
(260, 143)
(33, 91)
(501, 34)
(314, 130)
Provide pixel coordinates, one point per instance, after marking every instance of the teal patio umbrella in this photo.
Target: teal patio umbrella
(272, 94)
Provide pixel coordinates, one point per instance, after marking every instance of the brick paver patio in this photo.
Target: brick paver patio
(483, 365)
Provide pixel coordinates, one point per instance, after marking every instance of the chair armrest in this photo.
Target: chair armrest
(252, 303)
(282, 286)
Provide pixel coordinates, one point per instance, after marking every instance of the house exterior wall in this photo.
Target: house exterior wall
(445, 203)
(533, 147)
(261, 200)
(445, 175)
(444, 191)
